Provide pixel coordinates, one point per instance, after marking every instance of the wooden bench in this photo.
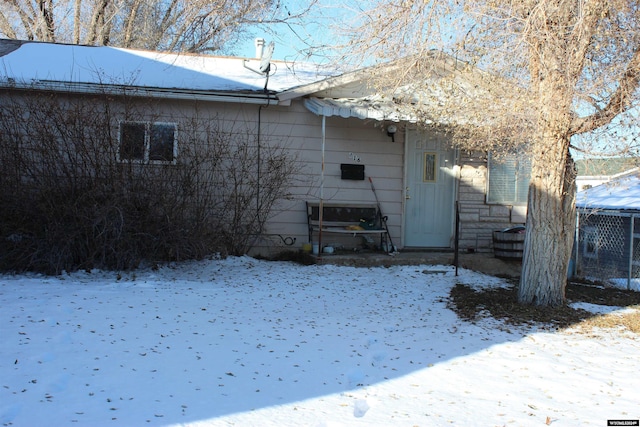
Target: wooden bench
(355, 219)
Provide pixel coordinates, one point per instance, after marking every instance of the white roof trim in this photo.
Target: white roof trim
(369, 108)
(242, 97)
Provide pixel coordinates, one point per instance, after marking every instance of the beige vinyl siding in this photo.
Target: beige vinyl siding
(301, 132)
(345, 139)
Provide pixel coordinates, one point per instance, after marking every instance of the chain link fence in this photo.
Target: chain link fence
(607, 248)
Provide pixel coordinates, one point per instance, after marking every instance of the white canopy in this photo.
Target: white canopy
(371, 107)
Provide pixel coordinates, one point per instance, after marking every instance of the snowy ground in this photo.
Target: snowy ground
(253, 343)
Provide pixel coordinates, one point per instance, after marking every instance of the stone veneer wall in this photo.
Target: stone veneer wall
(478, 219)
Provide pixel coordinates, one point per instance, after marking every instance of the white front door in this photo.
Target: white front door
(429, 193)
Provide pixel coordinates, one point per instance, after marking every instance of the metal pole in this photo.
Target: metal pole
(576, 245)
(629, 276)
(321, 206)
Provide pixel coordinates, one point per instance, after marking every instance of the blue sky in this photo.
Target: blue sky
(290, 41)
(281, 51)
(287, 45)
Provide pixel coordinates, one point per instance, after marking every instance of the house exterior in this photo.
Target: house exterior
(607, 245)
(328, 119)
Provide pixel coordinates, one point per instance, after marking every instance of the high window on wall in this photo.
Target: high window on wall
(147, 142)
(508, 179)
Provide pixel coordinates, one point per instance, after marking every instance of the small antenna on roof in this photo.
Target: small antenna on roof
(265, 63)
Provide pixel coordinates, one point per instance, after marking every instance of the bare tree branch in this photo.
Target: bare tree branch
(582, 34)
(25, 18)
(5, 27)
(619, 102)
(173, 25)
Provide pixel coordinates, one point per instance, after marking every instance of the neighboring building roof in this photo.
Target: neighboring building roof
(622, 193)
(605, 166)
(74, 67)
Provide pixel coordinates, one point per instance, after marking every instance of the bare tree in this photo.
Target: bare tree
(171, 25)
(552, 70)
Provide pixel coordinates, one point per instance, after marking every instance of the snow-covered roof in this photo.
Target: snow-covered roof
(619, 194)
(99, 69)
(34, 64)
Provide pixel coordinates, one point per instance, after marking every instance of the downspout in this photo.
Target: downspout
(576, 244)
(457, 169)
(259, 147)
(321, 205)
(456, 197)
(258, 178)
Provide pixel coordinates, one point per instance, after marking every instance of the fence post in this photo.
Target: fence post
(632, 226)
(576, 245)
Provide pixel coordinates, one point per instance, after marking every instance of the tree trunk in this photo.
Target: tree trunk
(76, 21)
(96, 19)
(550, 225)
(129, 24)
(46, 18)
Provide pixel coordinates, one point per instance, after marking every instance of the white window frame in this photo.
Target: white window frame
(148, 143)
(511, 170)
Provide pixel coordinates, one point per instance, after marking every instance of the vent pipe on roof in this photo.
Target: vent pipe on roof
(259, 47)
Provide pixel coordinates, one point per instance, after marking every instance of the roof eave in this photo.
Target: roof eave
(322, 85)
(445, 63)
(355, 109)
(233, 96)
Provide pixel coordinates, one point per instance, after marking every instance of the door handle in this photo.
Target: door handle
(406, 194)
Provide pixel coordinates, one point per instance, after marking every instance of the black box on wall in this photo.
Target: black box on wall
(355, 172)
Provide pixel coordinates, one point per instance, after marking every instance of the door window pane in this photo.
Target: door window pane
(429, 165)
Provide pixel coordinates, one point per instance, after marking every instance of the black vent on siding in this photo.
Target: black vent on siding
(355, 172)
